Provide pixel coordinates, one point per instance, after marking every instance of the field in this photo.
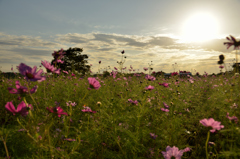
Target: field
(127, 116)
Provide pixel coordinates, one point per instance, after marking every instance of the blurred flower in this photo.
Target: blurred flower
(234, 106)
(150, 78)
(59, 54)
(99, 62)
(30, 73)
(65, 72)
(221, 67)
(164, 84)
(172, 152)
(234, 118)
(153, 136)
(21, 109)
(174, 73)
(191, 81)
(58, 61)
(165, 105)
(57, 110)
(88, 109)
(164, 110)
(211, 143)
(212, 123)
(93, 83)
(123, 52)
(133, 102)
(50, 67)
(69, 139)
(21, 89)
(21, 130)
(186, 149)
(145, 68)
(149, 87)
(71, 103)
(73, 74)
(233, 42)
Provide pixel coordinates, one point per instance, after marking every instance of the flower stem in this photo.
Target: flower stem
(5, 146)
(85, 95)
(206, 144)
(31, 96)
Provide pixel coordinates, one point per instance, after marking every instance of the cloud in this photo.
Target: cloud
(140, 50)
(24, 40)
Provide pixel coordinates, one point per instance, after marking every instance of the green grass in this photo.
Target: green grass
(120, 129)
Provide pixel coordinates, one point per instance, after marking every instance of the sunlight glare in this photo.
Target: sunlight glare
(200, 27)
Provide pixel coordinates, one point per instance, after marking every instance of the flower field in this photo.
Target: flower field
(118, 116)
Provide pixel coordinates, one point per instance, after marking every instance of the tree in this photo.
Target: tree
(73, 60)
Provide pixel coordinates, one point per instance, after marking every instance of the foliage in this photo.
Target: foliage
(73, 61)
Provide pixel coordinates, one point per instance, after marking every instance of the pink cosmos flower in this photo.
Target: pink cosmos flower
(234, 118)
(57, 110)
(186, 149)
(88, 109)
(93, 83)
(164, 110)
(221, 66)
(165, 105)
(164, 84)
(113, 74)
(58, 55)
(172, 152)
(21, 109)
(174, 74)
(145, 68)
(30, 73)
(191, 81)
(65, 72)
(133, 102)
(21, 89)
(212, 123)
(233, 42)
(150, 78)
(50, 67)
(73, 74)
(149, 87)
(58, 61)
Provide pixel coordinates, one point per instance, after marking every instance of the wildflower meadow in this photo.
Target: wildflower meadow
(64, 114)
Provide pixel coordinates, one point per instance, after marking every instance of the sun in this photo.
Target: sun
(199, 27)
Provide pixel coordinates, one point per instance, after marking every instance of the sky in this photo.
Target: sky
(173, 34)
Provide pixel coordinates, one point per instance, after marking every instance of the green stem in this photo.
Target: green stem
(85, 95)
(46, 147)
(31, 96)
(206, 144)
(5, 146)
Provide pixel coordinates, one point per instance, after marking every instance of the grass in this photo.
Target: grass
(120, 129)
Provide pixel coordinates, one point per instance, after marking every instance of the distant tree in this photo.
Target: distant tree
(73, 60)
(235, 68)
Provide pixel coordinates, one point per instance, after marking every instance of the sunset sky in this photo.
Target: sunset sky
(187, 32)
